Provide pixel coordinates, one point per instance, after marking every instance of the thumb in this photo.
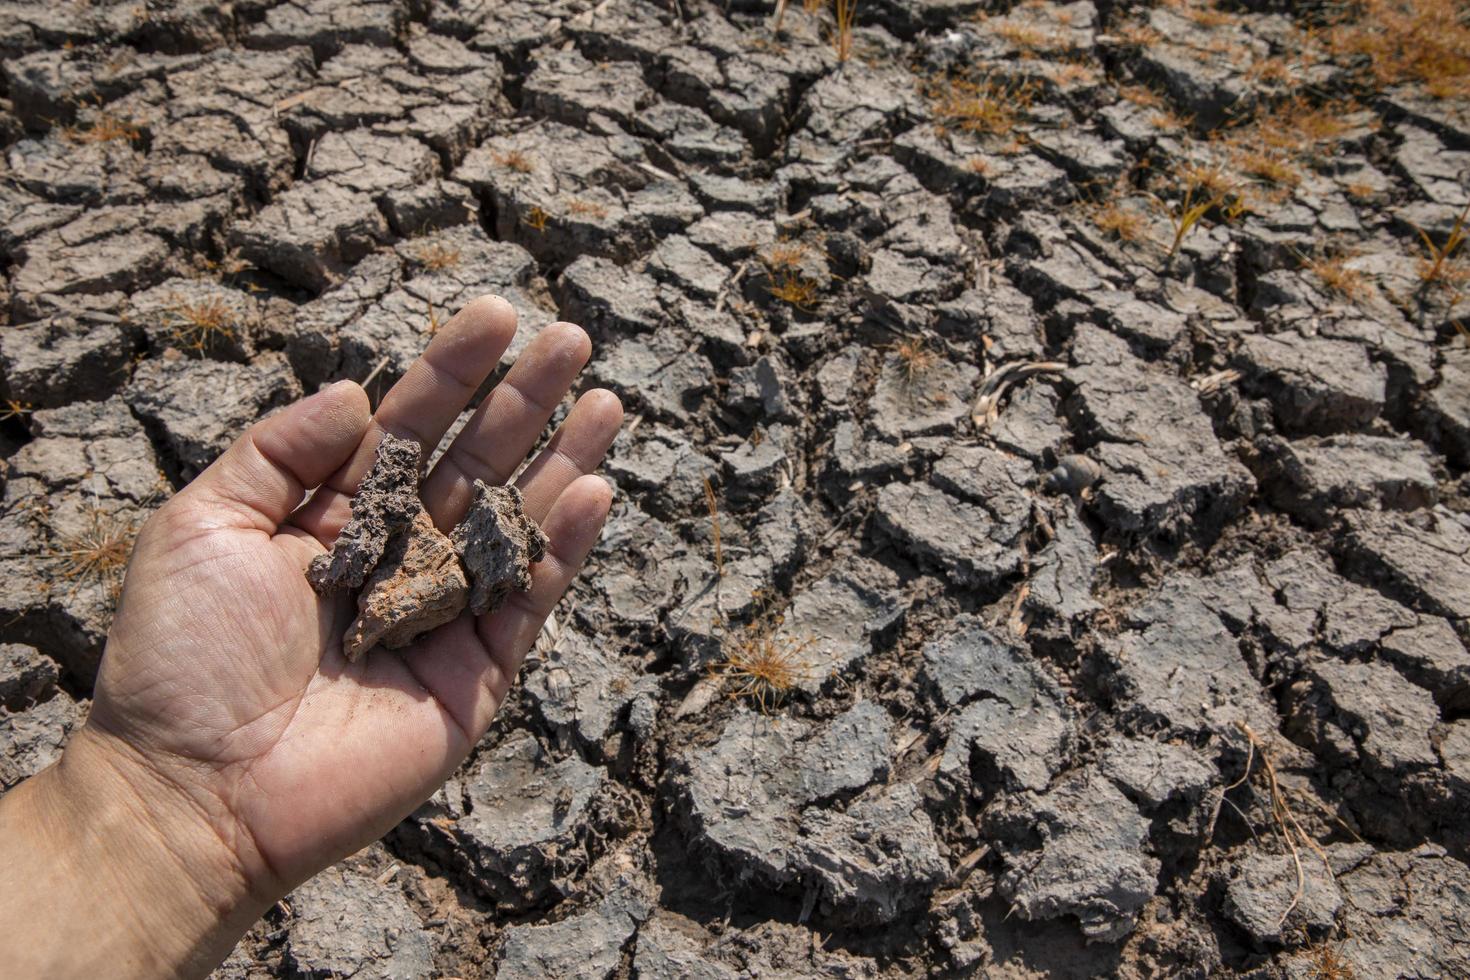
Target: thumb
(267, 472)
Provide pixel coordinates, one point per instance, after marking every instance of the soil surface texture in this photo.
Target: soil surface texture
(1041, 545)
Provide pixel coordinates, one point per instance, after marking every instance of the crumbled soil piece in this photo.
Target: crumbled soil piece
(588, 944)
(1076, 850)
(387, 501)
(347, 924)
(498, 544)
(418, 585)
(519, 824)
(26, 675)
(31, 740)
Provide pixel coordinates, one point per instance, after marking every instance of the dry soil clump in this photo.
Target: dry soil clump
(414, 578)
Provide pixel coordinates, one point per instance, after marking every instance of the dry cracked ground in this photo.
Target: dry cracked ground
(1079, 390)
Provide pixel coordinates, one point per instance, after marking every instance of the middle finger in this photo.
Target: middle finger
(507, 424)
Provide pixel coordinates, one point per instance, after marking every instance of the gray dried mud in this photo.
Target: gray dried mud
(1030, 631)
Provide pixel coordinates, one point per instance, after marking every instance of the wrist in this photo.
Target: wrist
(133, 859)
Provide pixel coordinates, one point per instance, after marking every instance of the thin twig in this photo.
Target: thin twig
(1285, 823)
(377, 368)
(714, 519)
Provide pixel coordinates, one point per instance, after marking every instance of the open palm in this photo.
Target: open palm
(224, 671)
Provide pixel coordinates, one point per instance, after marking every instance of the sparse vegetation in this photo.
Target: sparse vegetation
(99, 552)
(915, 359)
(513, 160)
(763, 664)
(1067, 73)
(104, 128)
(1203, 13)
(584, 208)
(1326, 963)
(785, 254)
(1116, 218)
(1026, 38)
(714, 519)
(437, 256)
(1397, 41)
(1275, 168)
(201, 325)
(433, 324)
(1197, 201)
(10, 408)
(1271, 71)
(1135, 35)
(225, 269)
(536, 219)
(843, 12)
(795, 289)
(1439, 264)
(1142, 96)
(1337, 275)
(789, 284)
(983, 106)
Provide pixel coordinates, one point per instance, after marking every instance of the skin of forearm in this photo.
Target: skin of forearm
(108, 871)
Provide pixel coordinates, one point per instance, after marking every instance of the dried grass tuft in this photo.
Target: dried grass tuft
(1439, 264)
(200, 325)
(1337, 276)
(99, 552)
(1407, 41)
(983, 106)
(515, 160)
(436, 257)
(536, 219)
(765, 666)
(915, 360)
(104, 128)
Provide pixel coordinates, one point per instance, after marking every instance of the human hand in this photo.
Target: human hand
(226, 718)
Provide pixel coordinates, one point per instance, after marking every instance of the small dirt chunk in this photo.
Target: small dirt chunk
(1263, 887)
(347, 924)
(418, 585)
(387, 501)
(26, 675)
(413, 577)
(1073, 474)
(498, 544)
(31, 740)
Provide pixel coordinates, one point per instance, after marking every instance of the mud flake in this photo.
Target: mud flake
(418, 585)
(387, 501)
(498, 543)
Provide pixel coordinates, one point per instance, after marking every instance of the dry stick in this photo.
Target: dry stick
(843, 12)
(1442, 255)
(375, 371)
(730, 284)
(714, 519)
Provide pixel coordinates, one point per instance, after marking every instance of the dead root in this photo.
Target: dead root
(1283, 818)
(986, 408)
